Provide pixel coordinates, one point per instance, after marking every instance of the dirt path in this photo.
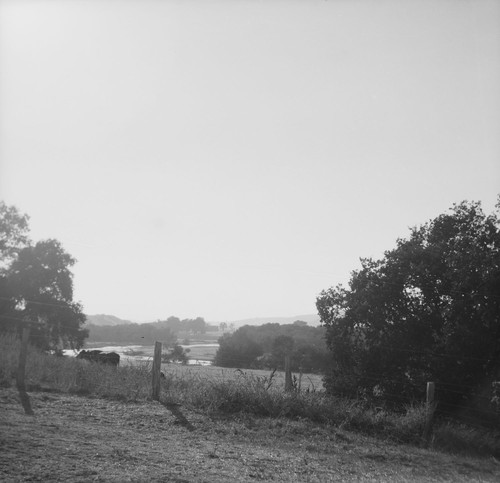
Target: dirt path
(79, 439)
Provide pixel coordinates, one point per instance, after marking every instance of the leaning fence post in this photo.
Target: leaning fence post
(21, 371)
(156, 372)
(288, 374)
(430, 408)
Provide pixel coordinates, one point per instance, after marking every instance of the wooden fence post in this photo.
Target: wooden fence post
(288, 374)
(156, 372)
(21, 371)
(430, 408)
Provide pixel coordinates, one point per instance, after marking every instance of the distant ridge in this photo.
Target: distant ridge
(102, 319)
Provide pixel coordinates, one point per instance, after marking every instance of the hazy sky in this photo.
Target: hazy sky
(231, 159)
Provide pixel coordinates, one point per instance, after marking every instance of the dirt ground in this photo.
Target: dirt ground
(80, 439)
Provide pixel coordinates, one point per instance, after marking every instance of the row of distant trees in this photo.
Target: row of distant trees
(166, 331)
(193, 326)
(266, 346)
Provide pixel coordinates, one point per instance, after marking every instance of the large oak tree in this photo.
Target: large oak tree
(429, 310)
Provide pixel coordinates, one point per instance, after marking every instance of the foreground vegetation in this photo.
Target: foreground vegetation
(82, 439)
(242, 394)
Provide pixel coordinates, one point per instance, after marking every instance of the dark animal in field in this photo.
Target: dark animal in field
(111, 358)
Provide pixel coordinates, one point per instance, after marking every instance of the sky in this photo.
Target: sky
(231, 159)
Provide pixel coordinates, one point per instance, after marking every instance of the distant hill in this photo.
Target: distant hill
(102, 320)
(311, 319)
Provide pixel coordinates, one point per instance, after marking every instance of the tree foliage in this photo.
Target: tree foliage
(237, 350)
(265, 347)
(428, 311)
(36, 286)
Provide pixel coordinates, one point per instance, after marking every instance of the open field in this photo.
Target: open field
(82, 439)
(311, 382)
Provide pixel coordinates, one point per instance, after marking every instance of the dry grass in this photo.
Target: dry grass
(81, 439)
(309, 382)
(244, 392)
(71, 375)
(216, 391)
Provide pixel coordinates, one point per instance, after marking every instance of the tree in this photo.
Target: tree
(197, 326)
(237, 350)
(37, 287)
(428, 311)
(265, 346)
(173, 323)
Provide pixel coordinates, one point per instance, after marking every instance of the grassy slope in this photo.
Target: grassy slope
(85, 439)
(246, 410)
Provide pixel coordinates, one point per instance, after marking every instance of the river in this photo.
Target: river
(199, 354)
